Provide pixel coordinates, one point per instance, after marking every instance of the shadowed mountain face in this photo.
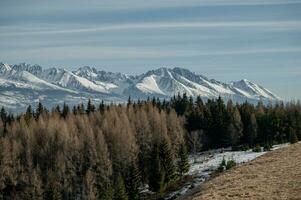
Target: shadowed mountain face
(23, 84)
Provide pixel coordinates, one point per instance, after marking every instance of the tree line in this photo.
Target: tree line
(114, 151)
(217, 124)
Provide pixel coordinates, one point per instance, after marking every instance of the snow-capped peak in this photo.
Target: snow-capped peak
(5, 66)
(88, 82)
(254, 90)
(4, 69)
(86, 71)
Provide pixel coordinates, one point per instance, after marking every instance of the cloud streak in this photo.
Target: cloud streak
(87, 52)
(158, 25)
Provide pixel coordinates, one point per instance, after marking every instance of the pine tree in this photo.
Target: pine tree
(57, 109)
(90, 107)
(251, 131)
(199, 102)
(129, 101)
(156, 178)
(108, 193)
(133, 182)
(3, 114)
(39, 110)
(65, 110)
(183, 163)
(81, 109)
(119, 189)
(3, 122)
(167, 161)
(53, 190)
(101, 107)
(292, 136)
(28, 114)
(74, 110)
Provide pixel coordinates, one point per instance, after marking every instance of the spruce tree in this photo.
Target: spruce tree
(65, 110)
(129, 101)
(133, 182)
(57, 109)
(4, 119)
(108, 192)
(81, 109)
(183, 163)
(101, 107)
(156, 178)
(74, 110)
(3, 114)
(292, 136)
(251, 131)
(167, 161)
(119, 189)
(90, 107)
(28, 114)
(39, 110)
(53, 189)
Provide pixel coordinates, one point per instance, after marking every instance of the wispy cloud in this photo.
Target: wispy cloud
(157, 25)
(88, 52)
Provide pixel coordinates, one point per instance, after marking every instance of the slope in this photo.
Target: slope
(275, 175)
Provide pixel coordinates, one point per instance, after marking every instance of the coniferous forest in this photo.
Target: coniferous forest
(113, 151)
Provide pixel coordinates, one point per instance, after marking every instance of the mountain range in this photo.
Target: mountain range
(24, 84)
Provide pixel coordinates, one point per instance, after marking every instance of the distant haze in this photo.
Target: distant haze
(224, 39)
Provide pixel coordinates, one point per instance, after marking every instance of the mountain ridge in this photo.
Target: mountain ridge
(56, 85)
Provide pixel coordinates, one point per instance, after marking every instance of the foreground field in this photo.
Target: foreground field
(275, 175)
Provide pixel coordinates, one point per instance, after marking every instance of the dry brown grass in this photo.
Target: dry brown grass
(275, 175)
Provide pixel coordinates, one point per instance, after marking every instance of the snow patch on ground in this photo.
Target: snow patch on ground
(202, 165)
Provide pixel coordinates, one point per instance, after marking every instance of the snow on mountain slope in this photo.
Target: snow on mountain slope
(114, 82)
(4, 69)
(24, 84)
(87, 72)
(33, 82)
(253, 90)
(67, 79)
(149, 85)
(175, 81)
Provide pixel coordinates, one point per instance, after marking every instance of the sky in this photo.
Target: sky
(258, 40)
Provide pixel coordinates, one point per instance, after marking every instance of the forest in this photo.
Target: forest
(111, 151)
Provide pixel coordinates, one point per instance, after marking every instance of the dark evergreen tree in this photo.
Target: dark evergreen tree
(74, 110)
(129, 101)
(133, 182)
(28, 114)
(199, 102)
(81, 109)
(167, 163)
(251, 131)
(57, 109)
(65, 110)
(156, 178)
(90, 107)
(53, 189)
(101, 107)
(39, 110)
(119, 189)
(292, 136)
(3, 114)
(183, 163)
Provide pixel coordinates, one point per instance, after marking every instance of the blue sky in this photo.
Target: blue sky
(259, 40)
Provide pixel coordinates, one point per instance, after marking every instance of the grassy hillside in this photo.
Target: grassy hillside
(275, 175)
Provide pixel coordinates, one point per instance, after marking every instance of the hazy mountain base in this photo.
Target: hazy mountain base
(275, 175)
